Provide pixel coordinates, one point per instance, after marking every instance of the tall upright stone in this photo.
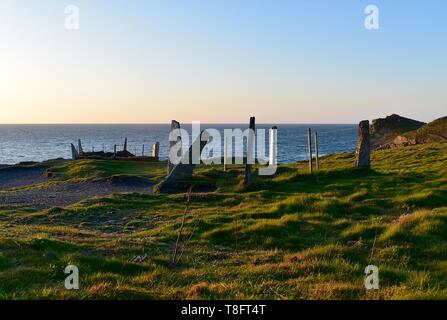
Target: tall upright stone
(182, 172)
(250, 152)
(80, 151)
(174, 126)
(363, 151)
(74, 152)
(125, 145)
(156, 150)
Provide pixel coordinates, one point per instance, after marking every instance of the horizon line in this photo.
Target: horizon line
(164, 123)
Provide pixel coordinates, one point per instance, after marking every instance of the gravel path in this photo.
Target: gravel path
(14, 177)
(62, 194)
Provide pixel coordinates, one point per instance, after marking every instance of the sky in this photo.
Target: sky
(221, 61)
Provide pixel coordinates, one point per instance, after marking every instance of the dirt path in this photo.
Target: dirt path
(14, 177)
(61, 194)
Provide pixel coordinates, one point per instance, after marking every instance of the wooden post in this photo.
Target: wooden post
(225, 160)
(142, 152)
(114, 150)
(250, 151)
(317, 161)
(125, 144)
(272, 146)
(309, 143)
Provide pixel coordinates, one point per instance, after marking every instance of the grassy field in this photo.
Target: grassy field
(291, 236)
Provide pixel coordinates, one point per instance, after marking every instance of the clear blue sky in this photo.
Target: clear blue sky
(221, 61)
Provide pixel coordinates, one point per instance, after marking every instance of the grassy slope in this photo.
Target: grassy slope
(435, 131)
(285, 239)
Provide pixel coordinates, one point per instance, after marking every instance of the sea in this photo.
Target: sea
(22, 143)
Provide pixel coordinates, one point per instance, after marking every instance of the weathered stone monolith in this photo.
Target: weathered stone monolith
(74, 152)
(175, 125)
(80, 151)
(125, 144)
(182, 171)
(155, 150)
(250, 152)
(363, 151)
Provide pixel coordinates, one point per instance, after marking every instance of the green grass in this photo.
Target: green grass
(291, 236)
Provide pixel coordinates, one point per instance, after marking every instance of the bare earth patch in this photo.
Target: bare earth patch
(62, 194)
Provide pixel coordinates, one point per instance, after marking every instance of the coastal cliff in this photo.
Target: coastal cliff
(385, 130)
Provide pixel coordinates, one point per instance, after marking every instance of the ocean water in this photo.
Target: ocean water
(20, 143)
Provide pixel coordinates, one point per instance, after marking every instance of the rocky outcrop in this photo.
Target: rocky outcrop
(385, 130)
(435, 131)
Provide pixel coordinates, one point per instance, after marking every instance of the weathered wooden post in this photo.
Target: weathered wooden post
(272, 146)
(309, 145)
(74, 152)
(114, 150)
(225, 160)
(142, 152)
(80, 151)
(363, 151)
(155, 150)
(174, 125)
(250, 152)
(317, 160)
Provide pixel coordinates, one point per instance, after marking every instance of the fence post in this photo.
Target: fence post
(309, 143)
(317, 160)
(272, 145)
(225, 160)
(250, 152)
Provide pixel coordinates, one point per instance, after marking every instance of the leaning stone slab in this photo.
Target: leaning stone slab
(182, 172)
(74, 152)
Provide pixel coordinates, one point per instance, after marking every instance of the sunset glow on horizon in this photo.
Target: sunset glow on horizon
(221, 62)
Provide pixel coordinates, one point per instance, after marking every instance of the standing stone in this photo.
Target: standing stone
(174, 125)
(182, 172)
(74, 152)
(80, 151)
(155, 150)
(250, 152)
(125, 144)
(363, 151)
